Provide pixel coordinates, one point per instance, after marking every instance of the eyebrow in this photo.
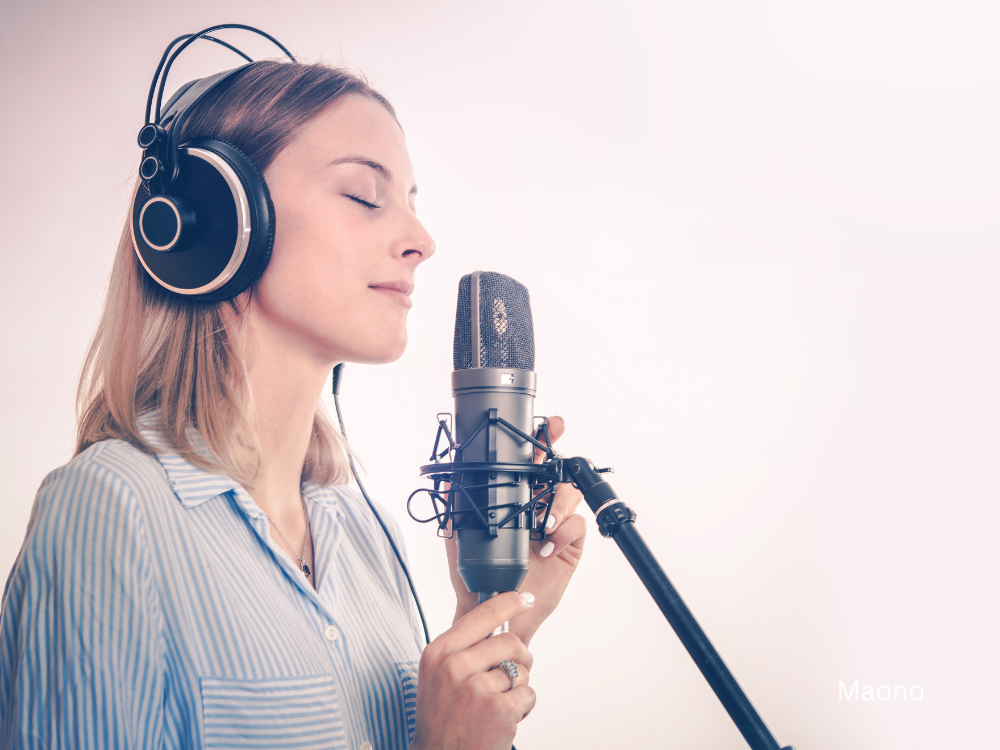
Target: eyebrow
(372, 164)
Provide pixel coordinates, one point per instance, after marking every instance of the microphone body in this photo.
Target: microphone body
(492, 558)
(493, 383)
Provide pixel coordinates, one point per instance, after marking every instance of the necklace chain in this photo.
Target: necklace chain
(302, 562)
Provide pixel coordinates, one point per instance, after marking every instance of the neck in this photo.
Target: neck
(285, 383)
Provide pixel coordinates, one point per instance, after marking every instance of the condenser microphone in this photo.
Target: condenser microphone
(494, 389)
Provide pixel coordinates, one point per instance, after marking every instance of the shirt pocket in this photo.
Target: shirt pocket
(407, 671)
(298, 713)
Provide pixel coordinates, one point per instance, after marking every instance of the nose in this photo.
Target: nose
(416, 243)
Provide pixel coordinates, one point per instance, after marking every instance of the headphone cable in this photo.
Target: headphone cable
(350, 459)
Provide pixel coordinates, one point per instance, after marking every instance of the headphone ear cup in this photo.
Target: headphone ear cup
(261, 210)
(232, 220)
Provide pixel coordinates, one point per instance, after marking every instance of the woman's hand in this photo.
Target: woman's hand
(551, 563)
(461, 703)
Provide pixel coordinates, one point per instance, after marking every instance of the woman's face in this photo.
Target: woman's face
(347, 238)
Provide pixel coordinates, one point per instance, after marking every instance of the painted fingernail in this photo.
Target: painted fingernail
(547, 549)
(529, 598)
(550, 522)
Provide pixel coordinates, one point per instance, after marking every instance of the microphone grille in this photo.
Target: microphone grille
(463, 325)
(506, 336)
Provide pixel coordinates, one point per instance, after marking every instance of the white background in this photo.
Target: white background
(761, 242)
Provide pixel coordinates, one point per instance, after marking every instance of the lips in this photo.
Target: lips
(398, 291)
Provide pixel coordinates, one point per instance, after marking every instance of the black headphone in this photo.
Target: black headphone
(202, 218)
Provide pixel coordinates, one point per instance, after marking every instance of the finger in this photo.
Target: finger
(573, 532)
(557, 426)
(499, 681)
(522, 700)
(492, 651)
(564, 504)
(483, 620)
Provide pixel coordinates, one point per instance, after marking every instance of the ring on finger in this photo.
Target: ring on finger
(510, 669)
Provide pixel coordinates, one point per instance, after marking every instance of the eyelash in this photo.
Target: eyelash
(364, 203)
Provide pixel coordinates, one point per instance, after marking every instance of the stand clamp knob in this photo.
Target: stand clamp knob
(613, 516)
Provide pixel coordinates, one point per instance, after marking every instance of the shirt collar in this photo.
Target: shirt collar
(321, 495)
(192, 484)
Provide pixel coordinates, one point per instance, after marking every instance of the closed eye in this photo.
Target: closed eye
(363, 202)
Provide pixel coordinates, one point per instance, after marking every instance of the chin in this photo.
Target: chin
(381, 354)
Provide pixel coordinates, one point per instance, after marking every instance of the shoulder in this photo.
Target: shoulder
(83, 548)
(108, 458)
(111, 468)
(100, 485)
(115, 461)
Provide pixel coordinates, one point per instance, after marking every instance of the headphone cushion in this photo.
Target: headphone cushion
(262, 222)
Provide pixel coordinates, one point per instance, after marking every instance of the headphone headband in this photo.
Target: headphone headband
(168, 59)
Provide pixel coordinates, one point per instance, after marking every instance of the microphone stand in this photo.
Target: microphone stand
(617, 521)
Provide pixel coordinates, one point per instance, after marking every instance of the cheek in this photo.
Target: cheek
(314, 245)
(309, 277)
(315, 288)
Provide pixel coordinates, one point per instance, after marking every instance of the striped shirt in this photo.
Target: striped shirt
(149, 607)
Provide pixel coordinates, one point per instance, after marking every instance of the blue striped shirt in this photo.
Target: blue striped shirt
(149, 607)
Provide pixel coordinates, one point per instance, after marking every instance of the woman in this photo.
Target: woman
(198, 575)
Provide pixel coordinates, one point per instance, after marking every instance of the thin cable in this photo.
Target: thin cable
(156, 75)
(169, 57)
(228, 46)
(350, 459)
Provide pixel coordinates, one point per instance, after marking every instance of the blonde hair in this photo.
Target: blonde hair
(158, 351)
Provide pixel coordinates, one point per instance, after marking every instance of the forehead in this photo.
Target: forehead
(353, 125)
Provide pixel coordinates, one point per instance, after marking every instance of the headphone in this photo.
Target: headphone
(202, 218)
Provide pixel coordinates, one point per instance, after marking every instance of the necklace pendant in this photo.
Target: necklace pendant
(305, 569)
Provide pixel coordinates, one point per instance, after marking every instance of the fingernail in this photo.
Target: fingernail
(550, 522)
(547, 549)
(529, 598)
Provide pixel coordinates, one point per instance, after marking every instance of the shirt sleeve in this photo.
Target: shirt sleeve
(81, 654)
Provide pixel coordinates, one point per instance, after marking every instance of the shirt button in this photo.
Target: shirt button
(366, 745)
(332, 633)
